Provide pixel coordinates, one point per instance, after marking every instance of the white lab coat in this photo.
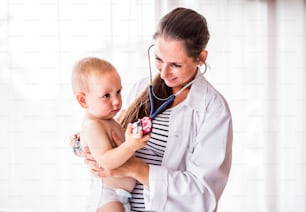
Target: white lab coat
(197, 159)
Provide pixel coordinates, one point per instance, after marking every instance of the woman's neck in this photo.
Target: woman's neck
(180, 98)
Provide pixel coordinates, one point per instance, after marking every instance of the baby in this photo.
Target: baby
(97, 87)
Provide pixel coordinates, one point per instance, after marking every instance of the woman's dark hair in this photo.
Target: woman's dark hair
(185, 25)
(180, 24)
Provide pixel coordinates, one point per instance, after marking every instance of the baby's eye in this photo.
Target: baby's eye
(106, 96)
(118, 92)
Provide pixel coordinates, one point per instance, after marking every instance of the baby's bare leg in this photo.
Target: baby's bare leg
(114, 206)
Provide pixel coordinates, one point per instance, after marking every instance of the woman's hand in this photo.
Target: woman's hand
(93, 165)
(122, 171)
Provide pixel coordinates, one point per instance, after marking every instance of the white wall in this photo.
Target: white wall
(257, 59)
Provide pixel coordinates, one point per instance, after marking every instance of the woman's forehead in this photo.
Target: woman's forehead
(171, 50)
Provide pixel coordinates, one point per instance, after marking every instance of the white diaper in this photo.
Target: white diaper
(100, 194)
(109, 194)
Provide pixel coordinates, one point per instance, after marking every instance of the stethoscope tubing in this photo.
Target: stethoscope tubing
(153, 112)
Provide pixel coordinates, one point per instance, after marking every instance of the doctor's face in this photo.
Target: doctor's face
(175, 67)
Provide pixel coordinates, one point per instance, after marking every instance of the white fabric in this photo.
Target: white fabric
(94, 194)
(109, 194)
(197, 159)
(100, 194)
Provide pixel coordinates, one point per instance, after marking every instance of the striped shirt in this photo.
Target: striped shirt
(152, 153)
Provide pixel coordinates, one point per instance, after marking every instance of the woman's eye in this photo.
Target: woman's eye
(176, 65)
(158, 59)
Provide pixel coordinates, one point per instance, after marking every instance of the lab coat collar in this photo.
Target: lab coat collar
(197, 94)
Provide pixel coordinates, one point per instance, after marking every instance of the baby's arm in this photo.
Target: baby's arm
(100, 145)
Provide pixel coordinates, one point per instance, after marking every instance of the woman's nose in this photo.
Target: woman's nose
(164, 71)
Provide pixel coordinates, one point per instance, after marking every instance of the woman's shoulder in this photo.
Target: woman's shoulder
(141, 84)
(208, 96)
(137, 88)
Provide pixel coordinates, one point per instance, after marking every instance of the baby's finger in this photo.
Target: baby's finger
(129, 127)
(146, 137)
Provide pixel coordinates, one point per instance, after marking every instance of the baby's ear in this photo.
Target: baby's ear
(81, 97)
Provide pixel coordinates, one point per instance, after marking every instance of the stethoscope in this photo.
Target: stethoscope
(169, 99)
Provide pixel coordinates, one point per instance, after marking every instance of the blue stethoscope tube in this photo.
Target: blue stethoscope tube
(153, 112)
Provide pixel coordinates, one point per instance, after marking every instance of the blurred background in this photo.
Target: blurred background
(257, 57)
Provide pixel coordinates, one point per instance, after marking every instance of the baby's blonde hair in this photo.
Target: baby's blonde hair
(85, 68)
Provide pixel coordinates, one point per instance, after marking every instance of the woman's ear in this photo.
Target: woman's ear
(81, 97)
(202, 57)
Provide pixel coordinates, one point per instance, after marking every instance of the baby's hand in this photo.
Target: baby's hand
(144, 124)
(137, 140)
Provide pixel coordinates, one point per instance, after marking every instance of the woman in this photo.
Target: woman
(186, 163)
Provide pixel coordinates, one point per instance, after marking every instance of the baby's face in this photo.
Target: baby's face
(104, 97)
